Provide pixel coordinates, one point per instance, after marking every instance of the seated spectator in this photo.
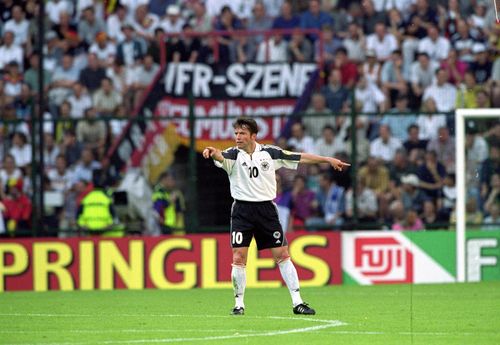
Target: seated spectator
(92, 75)
(400, 166)
(482, 99)
(169, 204)
(283, 203)
(172, 22)
(9, 174)
(84, 169)
(335, 93)
(493, 195)
(372, 16)
(492, 222)
(273, 49)
(259, 21)
(18, 25)
(54, 52)
(144, 75)
(409, 222)
(369, 97)
(489, 167)
(187, 47)
(90, 132)
(24, 103)
(299, 48)
(55, 7)
(304, 204)
(431, 174)
(467, 92)
(145, 23)
(443, 93)
(381, 42)
(115, 22)
(79, 100)
(18, 208)
(21, 149)
(299, 140)
(449, 197)
(354, 43)
(59, 176)
(330, 45)
(201, 21)
(371, 68)
(106, 99)
(330, 200)
(481, 66)
(287, 19)
(9, 51)
(436, 46)
(348, 69)
(444, 146)
(463, 42)
(422, 74)
(473, 217)
(70, 147)
(51, 151)
(391, 77)
(315, 18)
(317, 116)
(13, 80)
(130, 49)
(385, 146)
(63, 79)
(104, 49)
(430, 217)
(366, 203)
(399, 119)
(375, 175)
(89, 26)
(119, 122)
(456, 68)
(242, 50)
(31, 74)
(67, 33)
(326, 145)
(476, 153)
(429, 122)
(228, 21)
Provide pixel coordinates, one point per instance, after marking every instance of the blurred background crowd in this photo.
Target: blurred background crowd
(405, 65)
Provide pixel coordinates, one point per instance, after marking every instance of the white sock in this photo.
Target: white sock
(289, 274)
(239, 277)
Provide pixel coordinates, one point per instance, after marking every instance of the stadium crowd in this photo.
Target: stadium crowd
(410, 64)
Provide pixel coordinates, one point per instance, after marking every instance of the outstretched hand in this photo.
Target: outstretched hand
(212, 152)
(339, 165)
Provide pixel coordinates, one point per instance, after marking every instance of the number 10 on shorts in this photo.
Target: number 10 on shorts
(236, 237)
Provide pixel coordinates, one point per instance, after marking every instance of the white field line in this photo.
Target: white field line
(325, 324)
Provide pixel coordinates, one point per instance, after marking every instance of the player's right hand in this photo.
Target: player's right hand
(208, 152)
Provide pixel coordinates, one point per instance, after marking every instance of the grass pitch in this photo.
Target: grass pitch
(390, 314)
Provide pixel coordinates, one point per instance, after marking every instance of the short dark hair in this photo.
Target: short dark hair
(248, 123)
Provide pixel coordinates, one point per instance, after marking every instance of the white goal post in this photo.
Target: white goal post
(460, 117)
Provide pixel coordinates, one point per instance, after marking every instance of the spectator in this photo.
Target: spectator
(145, 23)
(366, 203)
(336, 95)
(299, 140)
(13, 80)
(348, 69)
(299, 48)
(369, 98)
(385, 146)
(89, 26)
(427, 14)
(54, 8)
(375, 175)
(444, 146)
(283, 203)
(106, 99)
(463, 42)
(371, 16)
(473, 217)
(90, 132)
(67, 33)
(273, 50)
(84, 170)
(18, 25)
(114, 23)
(456, 68)
(172, 23)
(399, 119)
(31, 74)
(431, 174)
(429, 122)
(119, 122)
(436, 46)
(104, 49)
(59, 176)
(51, 151)
(287, 19)
(9, 174)
(330, 200)
(144, 75)
(201, 21)
(17, 214)
(9, 51)
(489, 167)
(71, 148)
(314, 18)
(443, 93)
(449, 197)
(421, 76)
(317, 116)
(63, 79)
(259, 21)
(371, 68)
(492, 222)
(381, 42)
(79, 100)
(21, 149)
(391, 77)
(92, 75)
(54, 53)
(330, 45)
(467, 92)
(410, 222)
(169, 204)
(304, 204)
(130, 49)
(242, 49)
(354, 43)
(24, 103)
(411, 195)
(186, 49)
(63, 122)
(481, 66)
(326, 145)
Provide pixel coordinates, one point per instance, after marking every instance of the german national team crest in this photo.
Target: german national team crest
(264, 165)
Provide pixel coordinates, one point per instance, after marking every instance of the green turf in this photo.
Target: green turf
(395, 314)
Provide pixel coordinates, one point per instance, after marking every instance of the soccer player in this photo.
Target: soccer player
(251, 170)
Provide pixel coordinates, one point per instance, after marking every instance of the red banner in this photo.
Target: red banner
(169, 262)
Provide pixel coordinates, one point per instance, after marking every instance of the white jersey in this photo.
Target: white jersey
(252, 177)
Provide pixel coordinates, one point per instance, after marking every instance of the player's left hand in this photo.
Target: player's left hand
(339, 165)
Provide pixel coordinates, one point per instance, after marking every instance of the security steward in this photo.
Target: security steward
(169, 204)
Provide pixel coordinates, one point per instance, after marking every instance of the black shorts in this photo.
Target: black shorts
(259, 220)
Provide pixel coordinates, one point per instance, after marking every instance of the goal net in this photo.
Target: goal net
(476, 133)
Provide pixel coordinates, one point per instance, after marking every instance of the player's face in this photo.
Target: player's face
(244, 139)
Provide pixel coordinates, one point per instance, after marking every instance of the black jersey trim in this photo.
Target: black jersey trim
(230, 153)
(278, 153)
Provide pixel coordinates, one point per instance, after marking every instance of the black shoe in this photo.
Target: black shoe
(303, 309)
(238, 311)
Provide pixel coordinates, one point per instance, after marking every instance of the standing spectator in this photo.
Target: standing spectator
(314, 18)
(79, 101)
(443, 93)
(336, 95)
(90, 132)
(436, 46)
(92, 75)
(299, 140)
(399, 119)
(21, 149)
(431, 174)
(106, 99)
(385, 146)
(18, 25)
(169, 204)
(304, 204)
(9, 51)
(299, 48)
(89, 26)
(381, 42)
(273, 50)
(317, 116)
(444, 146)
(259, 21)
(481, 66)
(429, 122)
(331, 203)
(287, 19)
(354, 43)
